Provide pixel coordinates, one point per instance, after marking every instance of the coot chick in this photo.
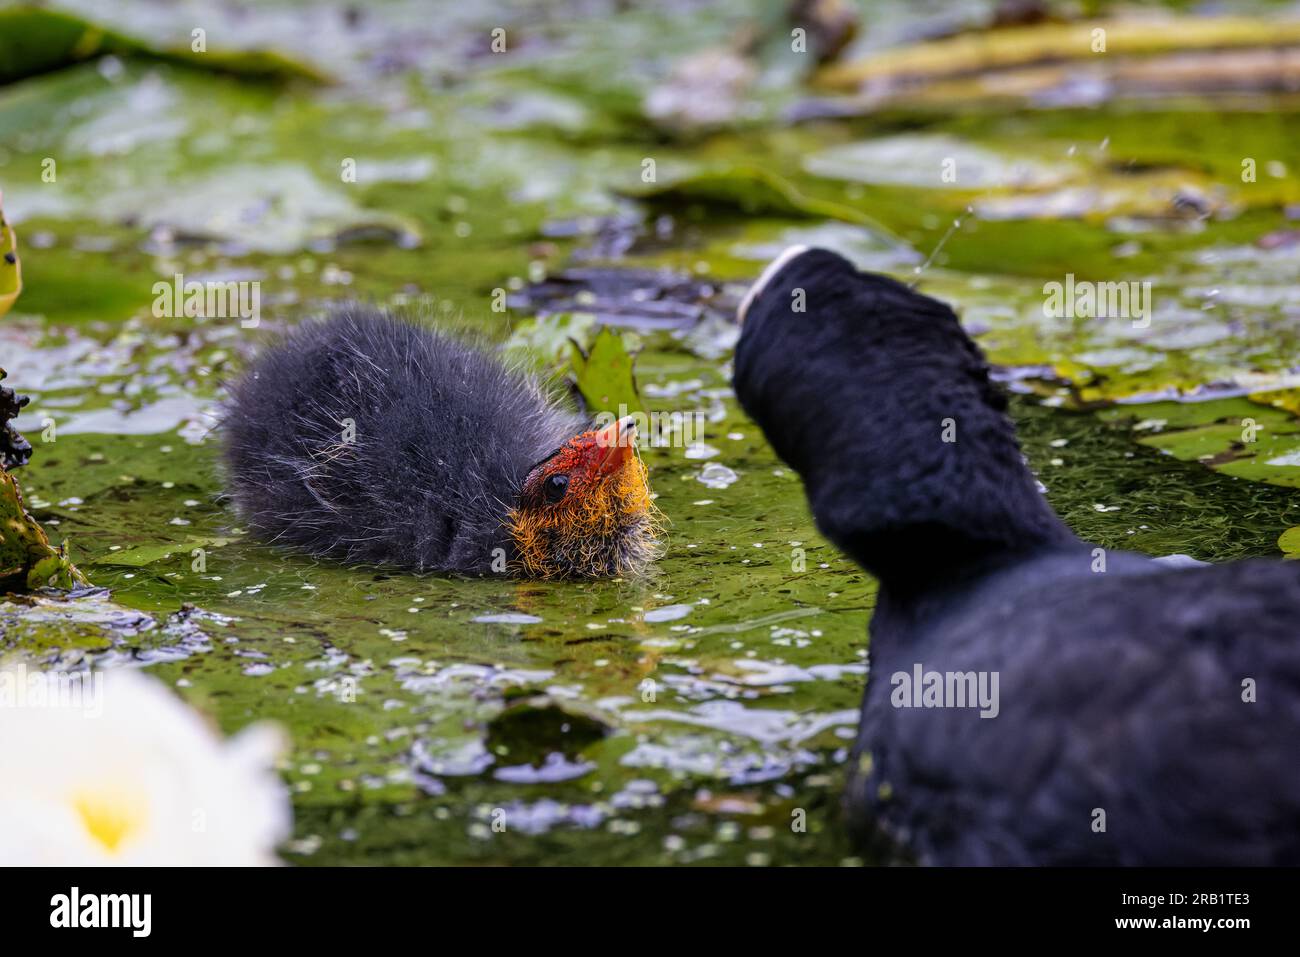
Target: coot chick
(1135, 712)
(373, 440)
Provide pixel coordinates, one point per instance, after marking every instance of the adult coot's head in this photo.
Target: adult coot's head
(878, 398)
(585, 510)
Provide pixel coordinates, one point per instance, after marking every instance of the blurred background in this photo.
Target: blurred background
(540, 171)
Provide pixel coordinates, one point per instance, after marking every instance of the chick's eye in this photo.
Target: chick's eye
(555, 488)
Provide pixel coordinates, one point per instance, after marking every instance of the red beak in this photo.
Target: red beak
(618, 439)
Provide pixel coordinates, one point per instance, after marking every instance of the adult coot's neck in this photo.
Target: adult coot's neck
(877, 397)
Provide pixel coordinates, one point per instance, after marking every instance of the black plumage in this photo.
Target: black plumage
(373, 440)
(1160, 703)
(15, 450)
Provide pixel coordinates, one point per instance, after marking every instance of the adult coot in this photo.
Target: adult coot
(1032, 699)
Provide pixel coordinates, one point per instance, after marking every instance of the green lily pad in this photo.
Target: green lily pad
(34, 40)
(148, 554)
(1289, 542)
(753, 191)
(273, 208)
(1236, 437)
(1025, 180)
(549, 340)
(604, 375)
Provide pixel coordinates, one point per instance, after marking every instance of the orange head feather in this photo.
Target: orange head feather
(586, 511)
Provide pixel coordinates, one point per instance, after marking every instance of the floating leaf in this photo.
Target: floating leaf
(34, 40)
(270, 207)
(1236, 437)
(143, 555)
(754, 191)
(605, 377)
(1024, 180)
(1289, 542)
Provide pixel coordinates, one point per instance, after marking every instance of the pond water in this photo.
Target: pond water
(702, 714)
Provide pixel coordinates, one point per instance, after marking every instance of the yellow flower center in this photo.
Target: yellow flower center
(110, 816)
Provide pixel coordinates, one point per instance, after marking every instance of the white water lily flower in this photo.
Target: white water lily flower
(112, 768)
